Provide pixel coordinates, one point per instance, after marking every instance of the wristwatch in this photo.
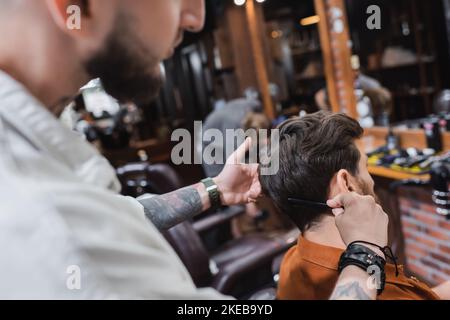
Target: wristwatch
(366, 259)
(213, 192)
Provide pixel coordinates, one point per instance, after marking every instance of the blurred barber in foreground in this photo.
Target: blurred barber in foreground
(60, 211)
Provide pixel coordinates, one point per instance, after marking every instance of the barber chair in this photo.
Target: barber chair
(142, 178)
(237, 265)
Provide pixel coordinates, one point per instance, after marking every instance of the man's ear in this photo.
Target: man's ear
(71, 16)
(345, 182)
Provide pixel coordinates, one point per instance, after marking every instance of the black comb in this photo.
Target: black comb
(309, 204)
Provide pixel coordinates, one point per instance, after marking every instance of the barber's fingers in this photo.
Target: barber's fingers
(338, 211)
(346, 200)
(255, 190)
(336, 205)
(255, 193)
(342, 200)
(239, 154)
(333, 203)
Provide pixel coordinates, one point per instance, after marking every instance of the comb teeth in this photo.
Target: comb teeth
(307, 203)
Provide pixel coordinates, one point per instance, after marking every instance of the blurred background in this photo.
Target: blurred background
(259, 62)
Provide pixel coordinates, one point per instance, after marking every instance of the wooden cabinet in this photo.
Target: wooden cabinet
(406, 54)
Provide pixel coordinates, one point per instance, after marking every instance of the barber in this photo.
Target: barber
(65, 232)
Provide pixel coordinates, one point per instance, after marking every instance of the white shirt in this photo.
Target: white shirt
(65, 232)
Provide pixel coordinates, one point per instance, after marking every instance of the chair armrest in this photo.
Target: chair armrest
(230, 273)
(218, 218)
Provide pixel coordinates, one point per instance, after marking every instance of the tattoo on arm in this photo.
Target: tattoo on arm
(350, 291)
(168, 210)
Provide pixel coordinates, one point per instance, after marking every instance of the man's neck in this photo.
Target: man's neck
(325, 233)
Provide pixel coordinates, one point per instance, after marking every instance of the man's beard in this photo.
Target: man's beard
(125, 67)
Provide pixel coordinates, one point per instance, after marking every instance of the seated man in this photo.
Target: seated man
(319, 160)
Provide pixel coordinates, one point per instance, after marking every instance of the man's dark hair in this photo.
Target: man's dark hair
(312, 150)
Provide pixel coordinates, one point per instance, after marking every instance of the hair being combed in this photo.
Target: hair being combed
(312, 150)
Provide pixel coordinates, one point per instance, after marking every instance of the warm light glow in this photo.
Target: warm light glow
(260, 1)
(239, 2)
(276, 34)
(310, 20)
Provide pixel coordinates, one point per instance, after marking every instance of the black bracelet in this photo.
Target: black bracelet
(366, 259)
(386, 250)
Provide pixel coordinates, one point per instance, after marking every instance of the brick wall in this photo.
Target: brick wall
(426, 236)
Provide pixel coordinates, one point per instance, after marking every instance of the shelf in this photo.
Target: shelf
(414, 93)
(224, 70)
(409, 138)
(301, 52)
(395, 175)
(309, 78)
(424, 60)
(376, 137)
(302, 94)
(305, 93)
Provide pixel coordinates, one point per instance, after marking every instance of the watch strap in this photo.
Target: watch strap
(213, 192)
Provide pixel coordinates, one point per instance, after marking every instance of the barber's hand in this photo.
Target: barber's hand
(238, 183)
(360, 218)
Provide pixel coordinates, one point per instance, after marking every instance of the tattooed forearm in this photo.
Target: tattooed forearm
(352, 285)
(170, 209)
(350, 291)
